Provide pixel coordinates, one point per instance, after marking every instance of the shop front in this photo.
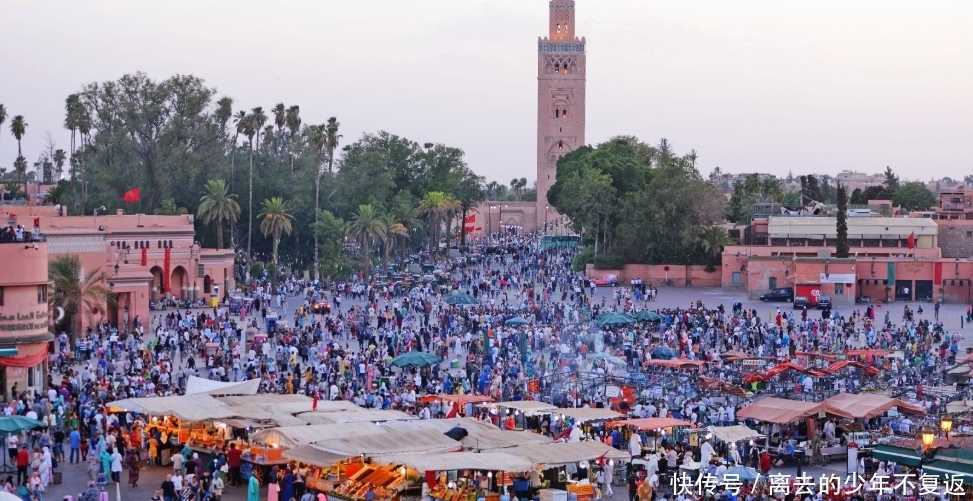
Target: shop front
(24, 318)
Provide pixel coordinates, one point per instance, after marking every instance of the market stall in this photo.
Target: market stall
(658, 429)
(289, 437)
(278, 403)
(457, 405)
(359, 416)
(197, 385)
(458, 476)
(867, 406)
(559, 460)
(518, 415)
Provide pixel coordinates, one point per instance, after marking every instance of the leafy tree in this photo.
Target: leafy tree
(330, 231)
(292, 118)
(967, 180)
(914, 195)
(871, 193)
(59, 158)
(841, 227)
(3, 114)
(394, 230)
(891, 180)
(274, 222)
(365, 227)
(20, 166)
(169, 208)
(407, 214)
(79, 293)
(58, 193)
(257, 118)
(18, 127)
(810, 189)
(216, 205)
(332, 138)
(437, 207)
(713, 240)
(469, 193)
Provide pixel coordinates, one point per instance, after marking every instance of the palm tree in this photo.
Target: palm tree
(410, 218)
(56, 194)
(20, 165)
(71, 117)
(393, 231)
(59, 158)
(293, 122)
(169, 208)
(317, 137)
(224, 111)
(366, 226)
(18, 127)
(692, 157)
(79, 293)
(240, 119)
(280, 118)
(331, 130)
(3, 114)
(275, 221)
(714, 239)
(216, 205)
(436, 206)
(253, 124)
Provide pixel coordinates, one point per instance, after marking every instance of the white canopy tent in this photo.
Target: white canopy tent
(558, 454)
(186, 407)
(407, 442)
(733, 433)
(359, 416)
(197, 385)
(296, 436)
(494, 461)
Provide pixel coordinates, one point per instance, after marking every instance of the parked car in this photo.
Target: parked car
(801, 302)
(824, 302)
(608, 279)
(782, 294)
(321, 308)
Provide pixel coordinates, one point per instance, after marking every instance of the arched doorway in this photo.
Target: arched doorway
(207, 284)
(158, 287)
(178, 281)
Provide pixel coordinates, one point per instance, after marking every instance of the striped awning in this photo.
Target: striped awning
(899, 455)
(949, 469)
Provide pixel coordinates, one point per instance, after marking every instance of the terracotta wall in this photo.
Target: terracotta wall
(681, 275)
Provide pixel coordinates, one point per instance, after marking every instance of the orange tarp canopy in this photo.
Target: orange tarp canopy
(457, 399)
(650, 423)
(865, 353)
(864, 406)
(830, 358)
(780, 410)
(676, 363)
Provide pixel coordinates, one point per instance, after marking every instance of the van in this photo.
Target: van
(860, 213)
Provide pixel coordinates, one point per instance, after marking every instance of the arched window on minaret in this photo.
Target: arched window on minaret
(560, 145)
(557, 113)
(558, 28)
(557, 67)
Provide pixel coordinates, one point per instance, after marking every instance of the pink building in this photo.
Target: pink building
(24, 317)
(145, 257)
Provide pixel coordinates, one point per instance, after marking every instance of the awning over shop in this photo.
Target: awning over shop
(310, 455)
(359, 416)
(528, 407)
(944, 469)
(491, 461)
(589, 413)
(442, 425)
(457, 399)
(676, 363)
(900, 455)
(557, 454)
(780, 410)
(650, 423)
(407, 442)
(484, 440)
(251, 413)
(296, 436)
(866, 406)
(196, 385)
(733, 433)
(185, 407)
(271, 402)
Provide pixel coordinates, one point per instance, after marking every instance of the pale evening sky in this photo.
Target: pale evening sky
(765, 86)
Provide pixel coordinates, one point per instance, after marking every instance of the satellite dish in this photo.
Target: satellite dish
(60, 314)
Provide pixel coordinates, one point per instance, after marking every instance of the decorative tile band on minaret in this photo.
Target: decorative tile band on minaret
(561, 71)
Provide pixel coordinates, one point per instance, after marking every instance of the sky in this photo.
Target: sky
(751, 85)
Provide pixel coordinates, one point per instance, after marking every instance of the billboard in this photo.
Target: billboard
(810, 291)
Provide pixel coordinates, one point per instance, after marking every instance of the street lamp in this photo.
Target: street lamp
(546, 207)
(928, 436)
(946, 423)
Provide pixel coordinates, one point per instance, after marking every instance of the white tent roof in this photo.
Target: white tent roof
(733, 433)
(295, 436)
(561, 453)
(494, 461)
(528, 407)
(470, 425)
(278, 404)
(589, 413)
(359, 416)
(497, 439)
(407, 442)
(310, 455)
(197, 385)
(187, 407)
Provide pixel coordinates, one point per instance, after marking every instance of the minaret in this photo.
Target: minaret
(560, 98)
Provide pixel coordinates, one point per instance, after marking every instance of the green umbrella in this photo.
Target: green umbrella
(461, 298)
(648, 316)
(416, 359)
(16, 424)
(611, 319)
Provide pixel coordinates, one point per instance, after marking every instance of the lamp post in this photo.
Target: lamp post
(546, 207)
(946, 423)
(928, 437)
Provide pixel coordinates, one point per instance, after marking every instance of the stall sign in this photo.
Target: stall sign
(613, 391)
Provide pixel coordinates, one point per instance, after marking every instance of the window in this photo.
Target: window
(564, 114)
(557, 68)
(558, 28)
(557, 113)
(41, 294)
(772, 282)
(736, 277)
(839, 289)
(34, 376)
(1, 296)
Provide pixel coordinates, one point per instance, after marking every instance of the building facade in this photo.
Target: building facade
(24, 317)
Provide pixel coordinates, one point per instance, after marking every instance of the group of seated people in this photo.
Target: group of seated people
(19, 234)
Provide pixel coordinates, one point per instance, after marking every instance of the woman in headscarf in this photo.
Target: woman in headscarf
(253, 489)
(105, 459)
(47, 469)
(94, 466)
(287, 485)
(132, 462)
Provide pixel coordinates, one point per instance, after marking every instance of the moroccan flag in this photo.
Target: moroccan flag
(912, 240)
(133, 195)
(145, 256)
(470, 219)
(468, 229)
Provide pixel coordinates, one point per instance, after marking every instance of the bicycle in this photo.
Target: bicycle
(668, 282)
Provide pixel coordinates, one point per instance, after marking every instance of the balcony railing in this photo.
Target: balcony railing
(11, 238)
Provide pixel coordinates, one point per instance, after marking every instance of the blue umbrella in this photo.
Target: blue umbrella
(743, 473)
(664, 352)
(517, 321)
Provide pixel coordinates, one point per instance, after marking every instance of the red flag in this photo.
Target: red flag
(145, 256)
(470, 219)
(453, 412)
(468, 229)
(912, 240)
(133, 195)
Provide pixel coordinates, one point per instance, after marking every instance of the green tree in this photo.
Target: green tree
(57, 194)
(20, 167)
(292, 119)
(216, 205)
(331, 133)
(841, 227)
(274, 222)
(407, 214)
(3, 114)
(59, 158)
(714, 239)
(80, 293)
(436, 206)
(170, 208)
(330, 231)
(365, 227)
(469, 193)
(891, 180)
(394, 231)
(914, 195)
